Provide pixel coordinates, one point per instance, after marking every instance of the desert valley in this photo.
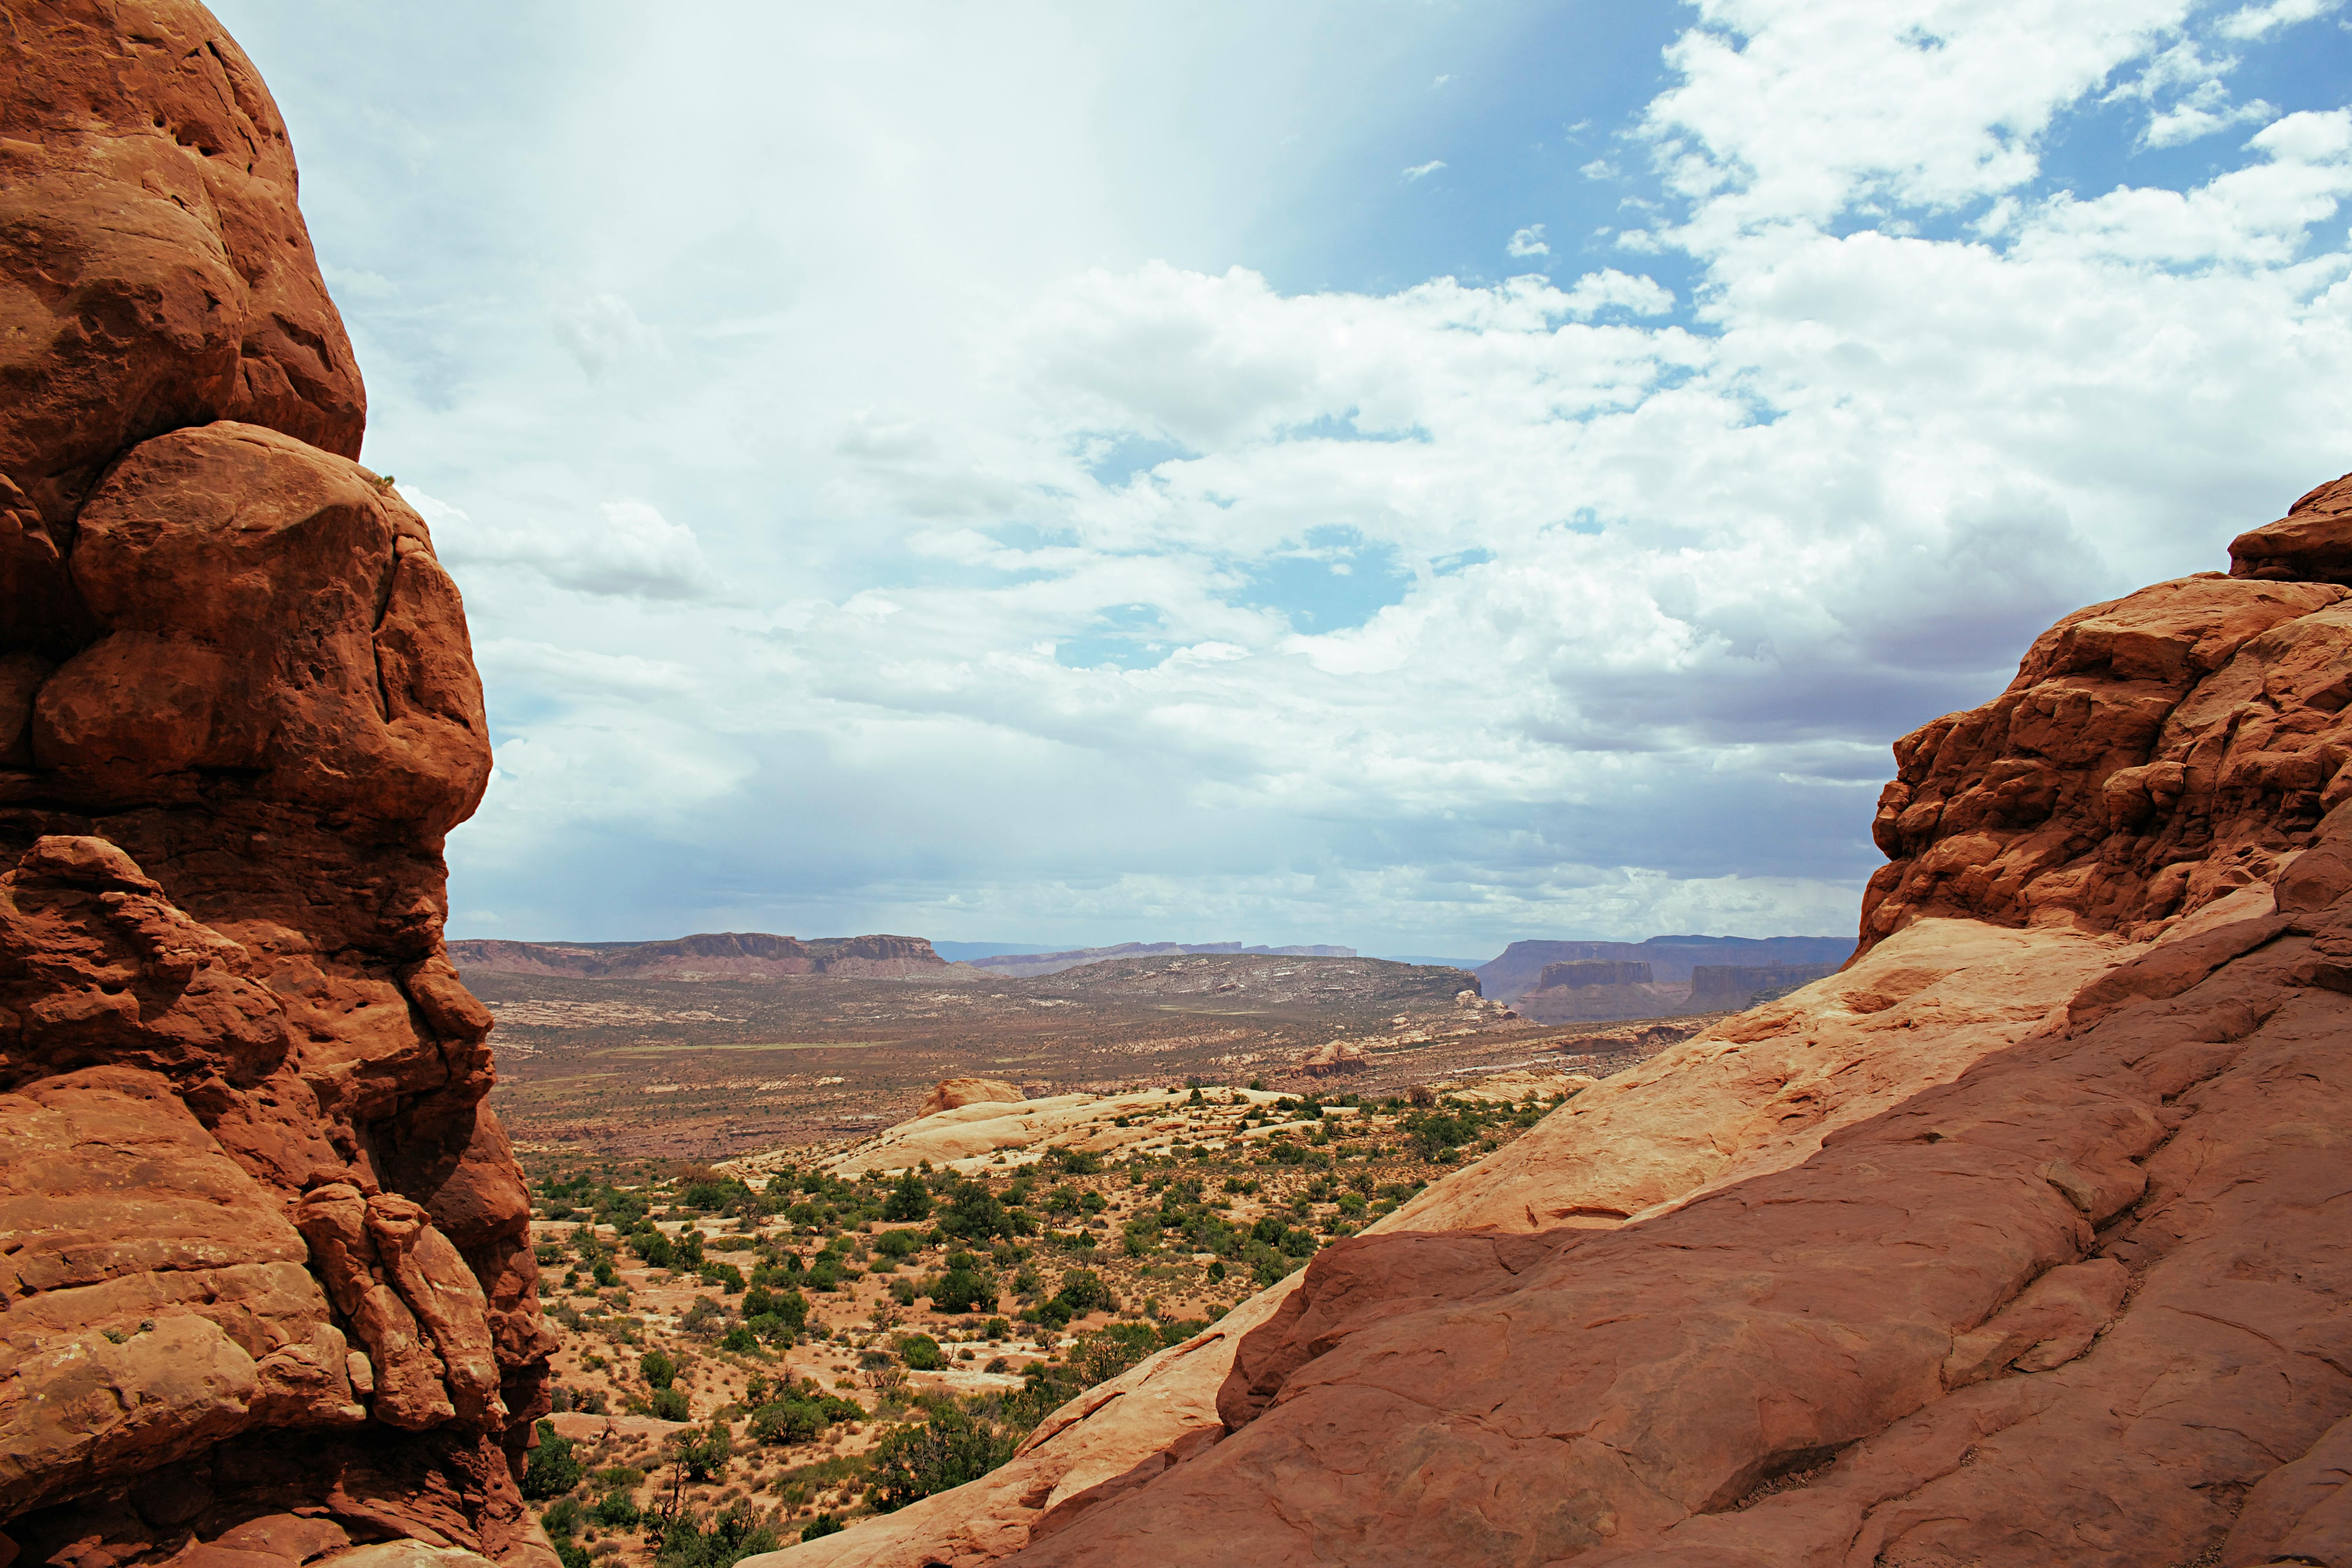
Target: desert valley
(2009, 1228)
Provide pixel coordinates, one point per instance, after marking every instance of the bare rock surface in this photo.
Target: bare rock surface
(266, 1287)
(955, 1093)
(2153, 754)
(2312, 543)
(158, 274)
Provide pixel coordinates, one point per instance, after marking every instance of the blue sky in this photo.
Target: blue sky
(1408, 475)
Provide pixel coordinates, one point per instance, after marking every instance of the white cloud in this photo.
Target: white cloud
(632, 552)
(2258, 21)
(1023, 491)
(1423, 171)
(601, 331)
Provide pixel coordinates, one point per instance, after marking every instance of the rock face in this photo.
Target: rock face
(1671, 959)
(1724, 987)
(1334, 1059)
(2017, 1241)
(2312, 543)
(1577, 973)
(955, 1093)
(266, 1285)
(2153, 754)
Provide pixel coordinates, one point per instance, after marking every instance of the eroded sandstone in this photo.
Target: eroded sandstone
(267, 1296)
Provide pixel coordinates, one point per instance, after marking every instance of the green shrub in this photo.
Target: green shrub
(976, 1214)
(659, 1368)
(921, 1353)
(953, 1446)
(551, 1471)
(618, 1510)
(738, 1339)
(909, 1199)
(670, 1405)
(571, 1554)
(736, 1534)
(823, 1525)
(899, 1243)
(705, 1453)
(1082, 1292)
(560, 1519)
(788, 1421)
(963, 1291)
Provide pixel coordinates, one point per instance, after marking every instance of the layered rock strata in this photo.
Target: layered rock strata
(265, 1283)
(2020, 1240)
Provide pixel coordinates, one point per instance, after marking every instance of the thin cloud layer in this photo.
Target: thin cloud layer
(895, 537)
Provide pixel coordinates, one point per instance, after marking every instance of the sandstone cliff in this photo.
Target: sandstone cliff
(2020, 1240)
(266, 1288)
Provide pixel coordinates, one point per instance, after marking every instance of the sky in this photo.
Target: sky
(1403, 474)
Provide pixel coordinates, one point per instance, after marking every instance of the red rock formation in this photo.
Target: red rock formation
(262, 1247)
(1331, 1059)
(2153, 754)
(955, 1093)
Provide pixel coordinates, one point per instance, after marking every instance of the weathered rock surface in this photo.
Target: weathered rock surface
(955, 1093)
(157, 272)
(2020, 1240)
(2153, 754)
(1334, 1058)
(967, 1136)
(2312, 543)
(266, 1287)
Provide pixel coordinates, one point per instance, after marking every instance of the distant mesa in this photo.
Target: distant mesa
(1020, 965)
(1591, 982)
(1732, 988)
(1577, 973)
(709, 955)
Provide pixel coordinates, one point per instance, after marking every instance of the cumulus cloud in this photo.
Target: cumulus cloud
(2258, 21)
(630, 552)
(1030, 626)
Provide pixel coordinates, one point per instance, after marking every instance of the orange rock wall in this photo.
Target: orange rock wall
(262, 1246)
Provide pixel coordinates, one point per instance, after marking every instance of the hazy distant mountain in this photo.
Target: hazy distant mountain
(965, 951)
(1016, 965)
(709, 955)
(1671, 958)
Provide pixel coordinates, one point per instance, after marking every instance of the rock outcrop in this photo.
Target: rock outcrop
(1731, 988)
(266, 1284)
(1333, 1059)
(2017, 1241)
(955, 1093)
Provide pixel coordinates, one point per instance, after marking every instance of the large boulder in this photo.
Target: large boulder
(156, 272)
(955, 1093)
(2312, 543)
(268, 1289)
